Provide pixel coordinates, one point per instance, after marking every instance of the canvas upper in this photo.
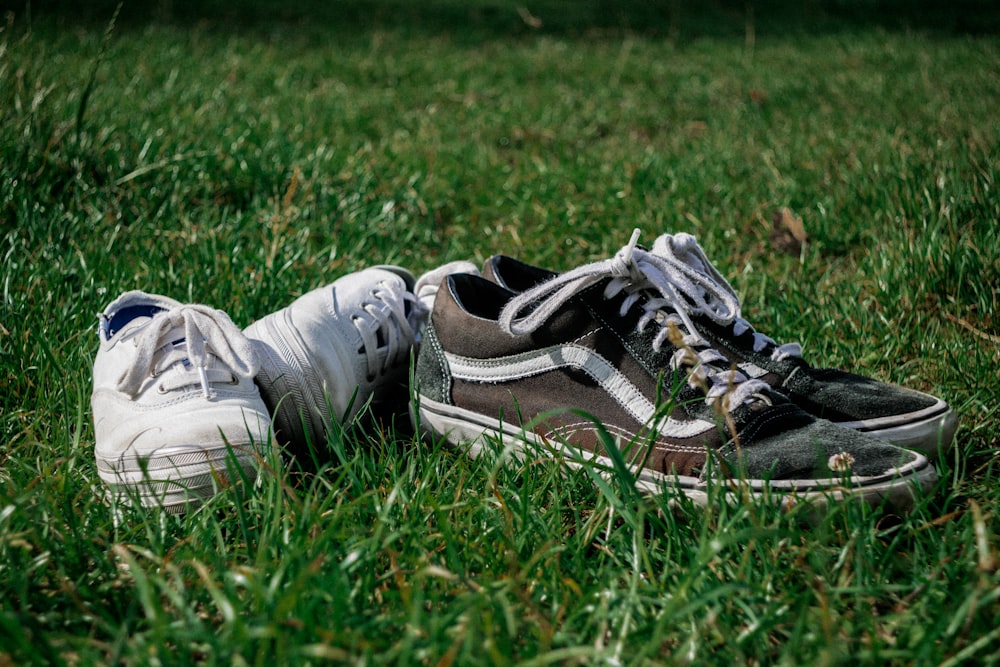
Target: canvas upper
(335, 349)
(903, 416)
(176, 412)
(601, 350)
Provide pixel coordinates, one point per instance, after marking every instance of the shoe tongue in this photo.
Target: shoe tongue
(177, 348)
(120, 319)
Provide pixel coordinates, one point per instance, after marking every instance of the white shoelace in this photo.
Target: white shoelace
(700, 288)
(646, 280)
(179, 345)
(399, 315)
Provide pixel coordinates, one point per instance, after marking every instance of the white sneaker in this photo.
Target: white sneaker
(335, 349)
(176, 411)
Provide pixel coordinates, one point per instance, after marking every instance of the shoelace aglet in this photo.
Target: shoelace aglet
(632, 243)
(203, 375)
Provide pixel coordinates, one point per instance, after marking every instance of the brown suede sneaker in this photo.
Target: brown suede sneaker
(900, 415)
(599, 357)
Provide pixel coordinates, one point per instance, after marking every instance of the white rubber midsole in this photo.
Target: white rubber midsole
(172, 476)
(928, 432)
(467, 428)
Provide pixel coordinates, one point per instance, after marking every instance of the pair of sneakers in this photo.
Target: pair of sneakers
(644, 360)
(645, 352)
(185, 403)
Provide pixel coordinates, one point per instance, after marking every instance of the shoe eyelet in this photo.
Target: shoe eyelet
(233, 379)
(160, 389)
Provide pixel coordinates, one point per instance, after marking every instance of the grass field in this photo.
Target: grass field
(241, 157)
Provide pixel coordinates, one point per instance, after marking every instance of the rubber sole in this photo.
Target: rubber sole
(178, 477)
(930, 432)
(897, 489)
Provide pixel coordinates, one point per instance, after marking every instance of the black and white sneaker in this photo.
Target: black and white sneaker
(903, 416)
(600, 361)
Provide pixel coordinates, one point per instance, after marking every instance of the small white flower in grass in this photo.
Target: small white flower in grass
(350, 559)
(842, 462)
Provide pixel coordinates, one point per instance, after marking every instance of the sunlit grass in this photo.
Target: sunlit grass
(240, 164)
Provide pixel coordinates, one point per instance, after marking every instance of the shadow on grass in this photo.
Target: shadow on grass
(675, 19)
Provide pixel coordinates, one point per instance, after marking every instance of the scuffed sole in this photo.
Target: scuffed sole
(897, 489)
(177, 479)
(929, 433)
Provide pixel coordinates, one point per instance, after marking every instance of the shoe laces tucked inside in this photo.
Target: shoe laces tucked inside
(699, 288)
(180, 344)
(389, 323)
(646, 281)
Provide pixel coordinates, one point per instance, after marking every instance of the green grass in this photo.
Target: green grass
(242, 160)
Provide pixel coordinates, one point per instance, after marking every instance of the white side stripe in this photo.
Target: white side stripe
(619, 387)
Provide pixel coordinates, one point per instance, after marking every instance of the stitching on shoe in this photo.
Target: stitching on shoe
(748, 433)
(442, 361)
(619, 430)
